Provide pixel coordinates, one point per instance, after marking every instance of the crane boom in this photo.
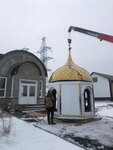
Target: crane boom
(100, 36)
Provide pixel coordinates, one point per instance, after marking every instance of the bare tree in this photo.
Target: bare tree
(5, 123)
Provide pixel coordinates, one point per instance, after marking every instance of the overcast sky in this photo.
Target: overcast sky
(24, 22)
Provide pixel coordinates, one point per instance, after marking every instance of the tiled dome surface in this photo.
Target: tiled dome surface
(70, 72)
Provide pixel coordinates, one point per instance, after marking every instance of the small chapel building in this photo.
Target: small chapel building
(74, 91)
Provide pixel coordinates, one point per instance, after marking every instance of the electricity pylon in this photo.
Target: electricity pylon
(43, 53)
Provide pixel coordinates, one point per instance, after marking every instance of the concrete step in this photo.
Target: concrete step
(30, 107)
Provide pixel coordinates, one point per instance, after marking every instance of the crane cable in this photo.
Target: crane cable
(69, 42)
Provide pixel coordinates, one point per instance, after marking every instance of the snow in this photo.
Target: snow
(24, 136)
(104, 108)
(99, 131)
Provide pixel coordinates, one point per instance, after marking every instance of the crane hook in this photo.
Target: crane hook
(69, 43)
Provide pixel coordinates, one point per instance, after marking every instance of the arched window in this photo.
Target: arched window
(87, 100)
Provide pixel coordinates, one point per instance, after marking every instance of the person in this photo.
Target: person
(54, 95)
(49, 105)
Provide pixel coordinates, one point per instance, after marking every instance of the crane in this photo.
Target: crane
(98, 35)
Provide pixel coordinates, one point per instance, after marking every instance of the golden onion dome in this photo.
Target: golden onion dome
(70, 72)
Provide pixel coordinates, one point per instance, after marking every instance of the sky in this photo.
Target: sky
(23, 23)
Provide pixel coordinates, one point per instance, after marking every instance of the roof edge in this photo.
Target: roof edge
(107, 76)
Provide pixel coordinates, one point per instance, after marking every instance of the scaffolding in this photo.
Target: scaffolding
(44, 53)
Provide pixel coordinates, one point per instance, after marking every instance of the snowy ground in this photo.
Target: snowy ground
(25, 136)
(96, 135)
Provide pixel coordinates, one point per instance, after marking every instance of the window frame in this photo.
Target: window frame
(95, 79)
(4, 88)
(87, 100)
(41, 88)
(28, 83)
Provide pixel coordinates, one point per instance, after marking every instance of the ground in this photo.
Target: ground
(94, 135)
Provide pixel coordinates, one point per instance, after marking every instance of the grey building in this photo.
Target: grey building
(22, 78)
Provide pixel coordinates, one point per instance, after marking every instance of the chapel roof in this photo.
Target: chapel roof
(70, 72)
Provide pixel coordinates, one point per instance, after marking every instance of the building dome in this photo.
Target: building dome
(70, 72)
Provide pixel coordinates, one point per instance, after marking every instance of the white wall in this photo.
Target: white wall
(101, 87)
(70, 99)
(70, 94)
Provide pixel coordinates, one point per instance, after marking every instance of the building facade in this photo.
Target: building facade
(103, 86)
(22, 78)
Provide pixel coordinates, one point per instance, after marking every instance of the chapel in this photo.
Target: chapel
(74, 91)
